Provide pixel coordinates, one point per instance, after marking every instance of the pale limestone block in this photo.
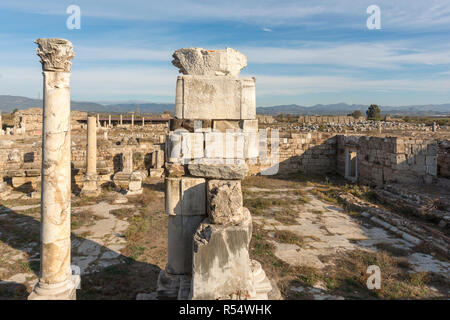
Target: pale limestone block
(214, 145)
(251, 145)
(181, 230)
(221, 267)
(248, 99)
(249, 125)
(216, 98)
(198, 61)
(186, 196)
(226, 125)
(173, 147)
(192, 145)
(173, 196)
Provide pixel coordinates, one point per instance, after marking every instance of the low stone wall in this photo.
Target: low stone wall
(310, 153)
(329, 119)
(20, 159)
(390, 160)
(443, 161)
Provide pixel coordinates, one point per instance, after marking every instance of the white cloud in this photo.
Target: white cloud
(382, 55)
(297, 85)
(402, 14)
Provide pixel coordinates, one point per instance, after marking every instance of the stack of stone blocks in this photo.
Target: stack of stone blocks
(214, 131)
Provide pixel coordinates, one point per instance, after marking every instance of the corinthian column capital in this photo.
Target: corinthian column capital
(56, 54)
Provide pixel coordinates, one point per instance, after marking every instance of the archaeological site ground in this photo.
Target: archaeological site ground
(216, 202)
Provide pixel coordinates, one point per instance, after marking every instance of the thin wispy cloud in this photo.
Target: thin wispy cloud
(300, 51)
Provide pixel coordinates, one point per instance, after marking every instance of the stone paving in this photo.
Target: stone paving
(326, 230)
(95, 245)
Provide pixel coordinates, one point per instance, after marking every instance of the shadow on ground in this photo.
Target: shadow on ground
(123, 280)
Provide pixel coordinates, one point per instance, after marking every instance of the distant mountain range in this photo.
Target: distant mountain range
(9, 103)
(344, 109)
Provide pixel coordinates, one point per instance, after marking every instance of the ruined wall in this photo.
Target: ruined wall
(20, 159)
(329, 119)
(390, 159)
(311, 153)
(443, 161)
(31, 120)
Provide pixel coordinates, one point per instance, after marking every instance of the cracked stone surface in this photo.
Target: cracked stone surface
(326, 230)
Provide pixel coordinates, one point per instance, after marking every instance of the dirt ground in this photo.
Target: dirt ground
(309, 245)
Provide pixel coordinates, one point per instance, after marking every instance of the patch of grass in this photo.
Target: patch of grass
(82, 218)
(328, 195)
(122, 213)
(258, 205)
(136, 251)
(289, 237)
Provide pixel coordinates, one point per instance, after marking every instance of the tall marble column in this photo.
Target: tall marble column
(121, 120)
(56, 281)
(143, 121)
(109, 120)
(132, 120)
(90, 185)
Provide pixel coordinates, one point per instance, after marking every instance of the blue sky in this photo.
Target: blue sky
(302, 52)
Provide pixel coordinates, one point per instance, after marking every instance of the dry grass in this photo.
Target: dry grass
(82, 218)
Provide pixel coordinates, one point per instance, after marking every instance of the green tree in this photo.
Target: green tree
(356, 114)
(373, 112)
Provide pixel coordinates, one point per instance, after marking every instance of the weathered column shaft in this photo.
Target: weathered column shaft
(55, 198)
(109, 120)
(127, 161)
(91, 156)
(121, 120)
(132, 119)
(56, 275)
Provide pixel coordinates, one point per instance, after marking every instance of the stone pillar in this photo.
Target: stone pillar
(56, 280)
(90, 185)
(1, 122)
(434, 128)
(98, 120)
(121, 122)
(127, 161)
(132, 120)
(109, 120)
(209, 229)
(143, 121)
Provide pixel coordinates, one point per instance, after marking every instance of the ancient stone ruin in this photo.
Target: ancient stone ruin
(211, 136)
(194, 163)
(56, 280)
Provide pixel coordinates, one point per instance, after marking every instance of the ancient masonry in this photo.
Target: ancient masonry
(56, 280)
(90, 184)
(213, 133)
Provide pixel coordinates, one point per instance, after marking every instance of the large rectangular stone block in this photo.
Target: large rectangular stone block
(221, 263)
(192, 145)
(217, 97)
(186, 196)
(249, 125)
(225, 125)
(181, 233)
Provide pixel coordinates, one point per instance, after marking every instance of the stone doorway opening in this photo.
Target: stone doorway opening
(351, 164)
